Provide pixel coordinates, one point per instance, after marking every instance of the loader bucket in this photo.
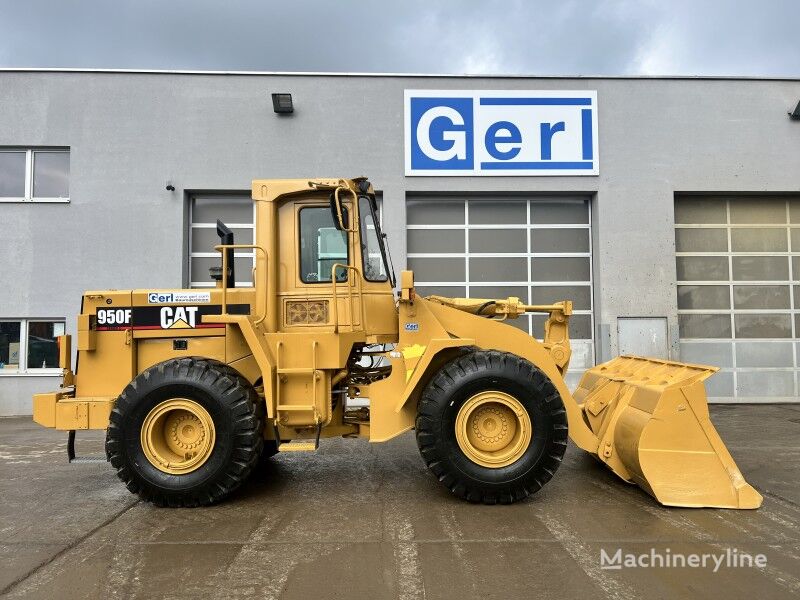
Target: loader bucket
(651, 419)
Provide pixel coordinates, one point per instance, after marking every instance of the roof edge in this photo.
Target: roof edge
(404, 75)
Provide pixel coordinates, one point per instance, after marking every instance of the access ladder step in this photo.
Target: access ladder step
(80, 460)
(296, 371)
(297, 447)
(88, 460)
(301, 446)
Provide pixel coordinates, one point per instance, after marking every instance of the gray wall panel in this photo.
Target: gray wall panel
(131, 132)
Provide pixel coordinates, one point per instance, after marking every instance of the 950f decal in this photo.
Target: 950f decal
(162, 317)
(113, 318)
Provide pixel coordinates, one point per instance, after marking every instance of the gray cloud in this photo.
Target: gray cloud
(570, 37)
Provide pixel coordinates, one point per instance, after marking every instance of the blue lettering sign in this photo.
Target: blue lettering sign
(501, 132)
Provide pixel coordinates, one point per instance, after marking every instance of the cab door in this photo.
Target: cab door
(323, 291)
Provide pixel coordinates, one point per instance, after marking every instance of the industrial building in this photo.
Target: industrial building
(667, 209)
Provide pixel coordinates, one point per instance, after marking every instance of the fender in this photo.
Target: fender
(495, 335)
(428, 332)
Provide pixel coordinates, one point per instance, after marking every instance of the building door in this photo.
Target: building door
(538, 249)
(643, 336)
(237, 211)
(738, 269)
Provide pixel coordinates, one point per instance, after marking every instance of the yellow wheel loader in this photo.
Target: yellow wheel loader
(194, 387)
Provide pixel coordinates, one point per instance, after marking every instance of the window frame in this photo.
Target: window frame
(23, 370)
(300, 254)
(29, 167)
(378, 236)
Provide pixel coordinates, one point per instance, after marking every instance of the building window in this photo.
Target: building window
(34, 175)
(29, 346)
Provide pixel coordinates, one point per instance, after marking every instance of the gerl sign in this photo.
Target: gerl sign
(508, 132)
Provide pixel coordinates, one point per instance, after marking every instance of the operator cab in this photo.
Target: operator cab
(341, 274)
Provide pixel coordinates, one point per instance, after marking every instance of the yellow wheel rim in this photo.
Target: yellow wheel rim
(178, 436)
(493, 429)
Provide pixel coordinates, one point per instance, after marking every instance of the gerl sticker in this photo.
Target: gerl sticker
(412, 326)
(179, 297)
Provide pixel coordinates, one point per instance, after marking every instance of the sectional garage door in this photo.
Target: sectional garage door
(738, 267)
(538, 249)
(237, 211)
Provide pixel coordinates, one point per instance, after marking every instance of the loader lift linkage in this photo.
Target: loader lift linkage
(194, 387)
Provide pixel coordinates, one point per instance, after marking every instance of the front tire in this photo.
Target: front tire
(185, 432)
(491, 427)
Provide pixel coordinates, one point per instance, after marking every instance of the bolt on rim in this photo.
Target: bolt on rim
(493, 429)
(178, 436)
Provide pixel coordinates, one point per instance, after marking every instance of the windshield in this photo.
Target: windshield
(375, 268)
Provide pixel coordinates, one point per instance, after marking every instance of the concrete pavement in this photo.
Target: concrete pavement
(368, 521)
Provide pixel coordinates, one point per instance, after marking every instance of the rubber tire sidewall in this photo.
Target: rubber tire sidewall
(476, 383)
(219, 390)
(454, 385)
(220, 454)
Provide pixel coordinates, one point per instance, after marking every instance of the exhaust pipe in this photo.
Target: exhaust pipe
(225, 239)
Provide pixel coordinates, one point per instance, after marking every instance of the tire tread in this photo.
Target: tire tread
(242, 403)
(437, 395)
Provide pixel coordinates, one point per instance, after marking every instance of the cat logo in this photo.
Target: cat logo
(178, 317)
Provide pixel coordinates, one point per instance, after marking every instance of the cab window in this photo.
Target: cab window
(321, 246)
(371, 247)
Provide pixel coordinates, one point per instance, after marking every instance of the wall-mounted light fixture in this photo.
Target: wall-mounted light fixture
(282, 104)
(795, 114)
(170, 187)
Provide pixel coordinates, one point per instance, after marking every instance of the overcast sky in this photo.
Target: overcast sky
(566, 37)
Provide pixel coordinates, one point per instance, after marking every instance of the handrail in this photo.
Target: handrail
(350, 297)
(261, 286)
(338, 204)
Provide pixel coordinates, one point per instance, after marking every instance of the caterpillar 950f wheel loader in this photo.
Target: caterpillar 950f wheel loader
(193, 387)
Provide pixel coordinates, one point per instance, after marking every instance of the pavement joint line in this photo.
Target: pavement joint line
(79, 540)
(767, 448)
(701, 536)
(732, 542)
(775, 496)
(582, 555)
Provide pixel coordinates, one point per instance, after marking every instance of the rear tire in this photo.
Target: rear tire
(524, 413)
(209, 397)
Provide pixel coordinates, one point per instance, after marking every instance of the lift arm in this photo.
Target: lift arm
(556, 333)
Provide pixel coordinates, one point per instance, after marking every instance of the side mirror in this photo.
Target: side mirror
(338, 213)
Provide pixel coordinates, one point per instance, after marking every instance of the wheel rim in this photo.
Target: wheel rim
(493, 429)
(178, 436)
